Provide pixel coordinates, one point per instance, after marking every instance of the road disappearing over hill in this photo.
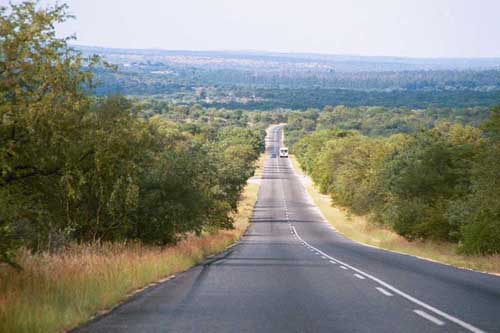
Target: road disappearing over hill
(292, 272)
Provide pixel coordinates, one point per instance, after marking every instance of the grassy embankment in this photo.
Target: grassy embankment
(360, 230)
(55, 292)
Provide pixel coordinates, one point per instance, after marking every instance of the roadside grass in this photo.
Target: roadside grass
(56, 292)
(259, 170)
(359, 229)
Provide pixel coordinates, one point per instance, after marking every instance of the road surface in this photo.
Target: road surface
(291, 272)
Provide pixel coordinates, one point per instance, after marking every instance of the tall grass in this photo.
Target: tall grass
(359, 229)
(55, 292)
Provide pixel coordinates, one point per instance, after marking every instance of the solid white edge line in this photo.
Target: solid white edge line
(443, 314)
(430, 318)
(383, 291)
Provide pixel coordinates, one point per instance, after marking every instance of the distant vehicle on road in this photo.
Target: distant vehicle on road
(273, 155)
(283, 152)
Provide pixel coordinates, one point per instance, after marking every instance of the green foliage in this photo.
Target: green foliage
(174, 188)
(481, 219)
(42, 111)
(492, 126)
(76, 168)
(424, 176)
(101, 191)
(440, 183)
(300, 124)
(345, 165)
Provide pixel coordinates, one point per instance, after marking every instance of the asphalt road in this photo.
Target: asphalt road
(292, 272)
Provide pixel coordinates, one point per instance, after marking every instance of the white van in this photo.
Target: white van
(284, 152)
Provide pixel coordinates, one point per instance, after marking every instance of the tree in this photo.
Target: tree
(425, 176)
(480, 221)
(42, 109)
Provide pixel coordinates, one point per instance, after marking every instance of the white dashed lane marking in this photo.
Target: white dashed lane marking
(361, 277)
(393, 289)
(429, 317)
(383, 291)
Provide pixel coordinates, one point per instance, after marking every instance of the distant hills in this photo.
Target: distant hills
(304, 61)
(267, 80)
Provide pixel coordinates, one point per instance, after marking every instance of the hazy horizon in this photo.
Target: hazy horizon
(386, 28)
(78, 45)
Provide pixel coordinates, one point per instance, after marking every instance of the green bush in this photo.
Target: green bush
(481, 223)
(441, 183)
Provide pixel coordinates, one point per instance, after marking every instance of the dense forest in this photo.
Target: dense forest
(438, 181)
(75, 168)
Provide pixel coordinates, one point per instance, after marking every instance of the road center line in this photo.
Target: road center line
(412, 299)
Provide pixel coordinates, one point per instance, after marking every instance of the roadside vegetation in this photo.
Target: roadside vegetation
(74, 168)
(59, 290)
(97, 197)
(361, 228)
(438, 183)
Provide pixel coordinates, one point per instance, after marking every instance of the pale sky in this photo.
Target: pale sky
(416, 28)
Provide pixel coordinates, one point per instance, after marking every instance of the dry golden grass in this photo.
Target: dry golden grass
(360, 230)
(56, 292)
(259, 170)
